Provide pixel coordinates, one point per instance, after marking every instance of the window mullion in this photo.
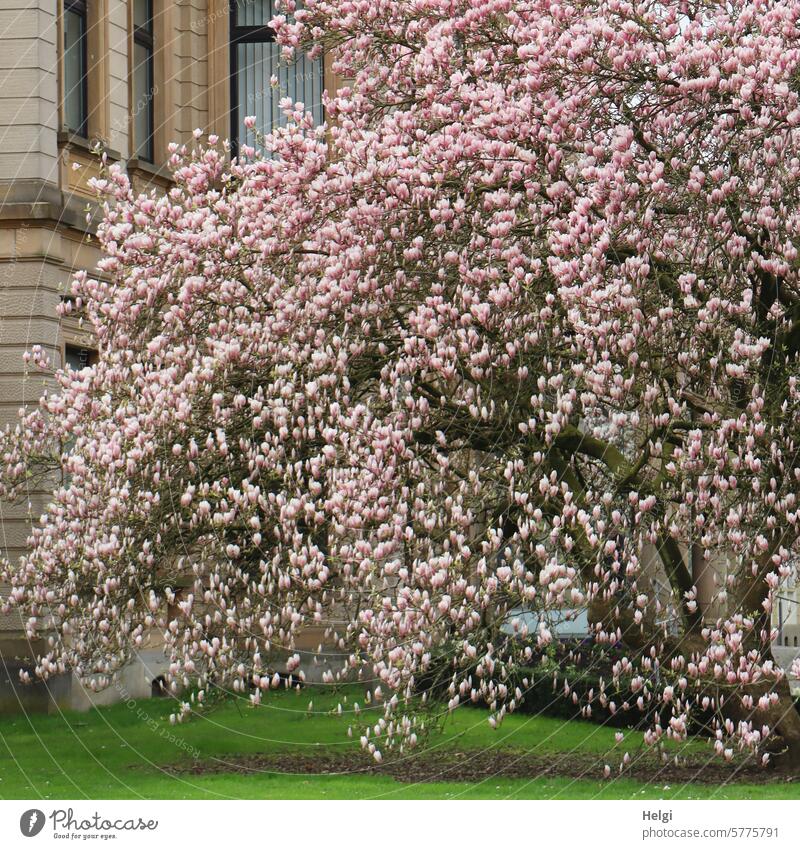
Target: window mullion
(255, 34)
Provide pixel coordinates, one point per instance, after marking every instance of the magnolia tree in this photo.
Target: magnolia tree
(526, 308)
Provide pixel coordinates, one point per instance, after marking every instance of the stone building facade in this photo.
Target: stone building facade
(126, 78)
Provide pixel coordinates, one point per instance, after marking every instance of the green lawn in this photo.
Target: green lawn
(121, 752)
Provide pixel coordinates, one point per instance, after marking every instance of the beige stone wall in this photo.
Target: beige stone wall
(32, 274)
(191, 71)
(28, 90)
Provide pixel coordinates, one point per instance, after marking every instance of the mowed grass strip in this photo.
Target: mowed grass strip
(132, 751)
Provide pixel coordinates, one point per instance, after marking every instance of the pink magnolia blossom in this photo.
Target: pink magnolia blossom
(525, 310)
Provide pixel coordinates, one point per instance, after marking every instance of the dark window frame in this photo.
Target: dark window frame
(86, 356)
(242, 34)
(143, 36)
(79, 7)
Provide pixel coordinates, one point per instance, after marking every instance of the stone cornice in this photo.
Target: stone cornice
(43, 202)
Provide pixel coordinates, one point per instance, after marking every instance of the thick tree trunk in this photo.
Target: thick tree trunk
(703, 578)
